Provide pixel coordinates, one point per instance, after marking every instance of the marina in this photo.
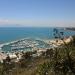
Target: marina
(29, 45)
(24, 44)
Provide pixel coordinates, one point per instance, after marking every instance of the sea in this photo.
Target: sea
(10, 34)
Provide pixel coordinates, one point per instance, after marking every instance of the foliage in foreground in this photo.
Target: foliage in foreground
(60, 61)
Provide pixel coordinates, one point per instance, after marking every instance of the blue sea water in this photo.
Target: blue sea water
(8, 34)
(13, 33)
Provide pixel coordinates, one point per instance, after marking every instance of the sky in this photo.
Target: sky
(37, 13)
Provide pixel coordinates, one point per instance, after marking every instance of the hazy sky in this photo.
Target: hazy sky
(37, 13)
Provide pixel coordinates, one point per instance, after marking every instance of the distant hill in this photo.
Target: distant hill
(71, 28)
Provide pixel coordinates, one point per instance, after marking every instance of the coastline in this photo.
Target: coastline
(52, 42)
(12, 54)
(48, 41)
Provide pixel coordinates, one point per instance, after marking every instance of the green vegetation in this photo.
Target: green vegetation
(58, 61)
